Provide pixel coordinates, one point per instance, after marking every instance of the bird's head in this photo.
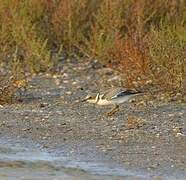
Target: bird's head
(91, 98)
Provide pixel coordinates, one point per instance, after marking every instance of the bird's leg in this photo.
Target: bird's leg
(113, 111)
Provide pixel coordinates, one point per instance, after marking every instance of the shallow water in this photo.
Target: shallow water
(28, 161)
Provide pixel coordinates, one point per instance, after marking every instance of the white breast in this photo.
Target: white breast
(103, 102)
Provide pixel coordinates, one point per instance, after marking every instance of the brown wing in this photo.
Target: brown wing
(119, 92)
(113, 92)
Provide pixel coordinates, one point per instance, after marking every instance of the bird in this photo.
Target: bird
(113, 96)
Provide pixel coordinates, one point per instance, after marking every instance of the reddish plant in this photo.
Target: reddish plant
(129, 56)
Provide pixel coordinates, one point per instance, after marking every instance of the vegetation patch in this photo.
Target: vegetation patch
(145, 40)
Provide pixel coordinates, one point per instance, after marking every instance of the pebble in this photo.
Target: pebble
(180, 113)
(158, 135)
(46, 75)
(74, 83)
(68, 92)
(66, 81)
(59, 112)
(56, 76)
(149, 82)
(171, 115)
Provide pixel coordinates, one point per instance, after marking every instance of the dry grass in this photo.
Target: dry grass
(144, 40)
(129, 56)
(20, 37)
(167, 49)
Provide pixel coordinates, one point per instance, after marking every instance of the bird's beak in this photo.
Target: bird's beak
(84, 100)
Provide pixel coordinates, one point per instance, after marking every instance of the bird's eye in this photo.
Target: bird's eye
(88, 97)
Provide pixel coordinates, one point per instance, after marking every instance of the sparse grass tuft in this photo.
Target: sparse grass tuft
(167, 49)
(129, 56)
(21, 40)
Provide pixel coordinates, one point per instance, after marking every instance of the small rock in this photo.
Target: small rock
(74, 83)
(55, 76)
(59, 112)
(157, 135)
(180, 113)
(149, 82)
(68, 92)
(66, 81)
(171, 115)
(47, 75)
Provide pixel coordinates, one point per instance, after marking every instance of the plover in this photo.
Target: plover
(114, 96)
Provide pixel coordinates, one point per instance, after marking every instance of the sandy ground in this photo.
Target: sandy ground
(146, 136)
